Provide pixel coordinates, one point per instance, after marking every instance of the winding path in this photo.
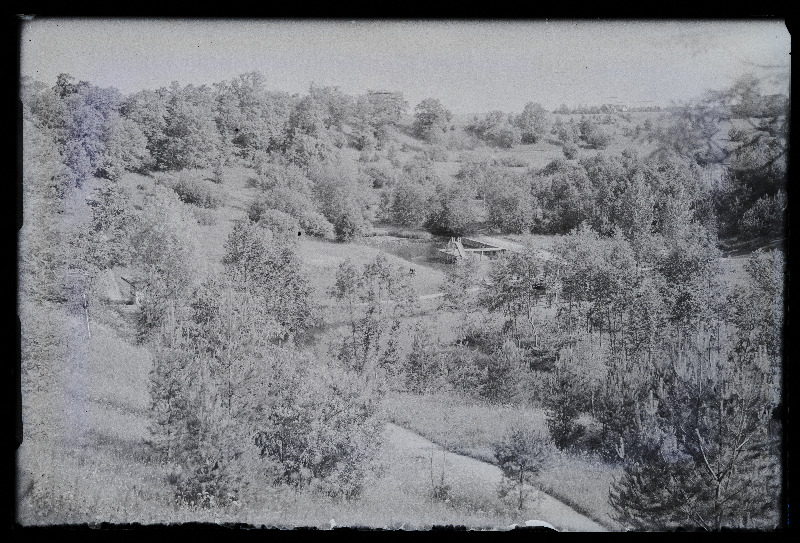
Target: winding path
(464, 474)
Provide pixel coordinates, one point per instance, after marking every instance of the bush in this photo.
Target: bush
(198, 192)
(256, 209)
(280, 223)
(598, 138)
(410, 234)
(367, 156)
(570, 151)
(381, 175)
(513, 161)
(315, 224)
(272, 175)
(349, 224)
(464, 371)
(765, 217)
(458, 140)
(436, 153)
(322, 429)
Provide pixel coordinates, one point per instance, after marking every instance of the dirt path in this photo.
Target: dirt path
(466, 475)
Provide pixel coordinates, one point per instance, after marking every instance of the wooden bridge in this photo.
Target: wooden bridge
(463, 248)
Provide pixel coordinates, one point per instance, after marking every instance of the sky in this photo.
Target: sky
(470, 66)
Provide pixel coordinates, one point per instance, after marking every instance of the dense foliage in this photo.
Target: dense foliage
(628, 334)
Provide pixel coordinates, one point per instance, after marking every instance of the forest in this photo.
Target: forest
(227, 295)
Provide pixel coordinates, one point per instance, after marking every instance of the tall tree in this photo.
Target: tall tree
(532, 122)
(431, 120)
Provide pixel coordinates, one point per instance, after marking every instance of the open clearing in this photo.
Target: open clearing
(475, 481)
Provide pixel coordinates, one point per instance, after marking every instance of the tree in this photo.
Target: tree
(758, 306)
(375, 297)
(431, 120)
(148, 111)
(322, 428)
(510, 207)
(337, 105)
(376, 111)
(94, 139)
(46, 181)
(636, 214)
(564, 401)
(230, 409)
(421, 364)
(308, 139)
(126, 148)
(710, 463)
(570, 151)
(452, 211)
(266, 267)
(164, 248)
(520, 455)
(249, 117)
(411, 203)
(339, 190)
(190, 136)
(569, 133)
(532, 122)
(516, 284)
(496, 128)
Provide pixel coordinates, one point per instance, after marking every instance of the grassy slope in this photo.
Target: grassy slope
(469, 428)
(83, 457)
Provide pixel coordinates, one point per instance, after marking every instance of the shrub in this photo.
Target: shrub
(570, 151)
(367, 156)
(381, 175)
(315, 224)
(598, 138)
(322, 429)
(436, 153)
(410, 234)
(256, 209)
(513, 161)
(272, 176)
(280, 223)
(349, 224)
(198, 192)
(765, 217)
(458, 140)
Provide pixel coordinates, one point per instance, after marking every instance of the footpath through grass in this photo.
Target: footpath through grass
(470, 427)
